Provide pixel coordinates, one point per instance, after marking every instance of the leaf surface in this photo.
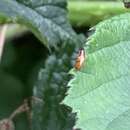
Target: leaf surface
(47, 19)
(100, 91)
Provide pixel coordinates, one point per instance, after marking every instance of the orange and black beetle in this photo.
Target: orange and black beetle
(80, 59)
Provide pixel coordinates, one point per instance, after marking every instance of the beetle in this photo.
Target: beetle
(80, 59)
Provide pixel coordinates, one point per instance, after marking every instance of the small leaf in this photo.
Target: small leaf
(100, 91)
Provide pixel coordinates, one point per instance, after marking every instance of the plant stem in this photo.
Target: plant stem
(2, 38)
(86, 13)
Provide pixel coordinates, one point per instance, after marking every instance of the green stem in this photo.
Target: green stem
(86, 13)
(2, 38)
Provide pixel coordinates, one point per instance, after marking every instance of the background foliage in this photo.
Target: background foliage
(29, 59)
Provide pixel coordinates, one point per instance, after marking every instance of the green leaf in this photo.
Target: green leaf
(51, 89)
(46, 19)
(100, 91)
